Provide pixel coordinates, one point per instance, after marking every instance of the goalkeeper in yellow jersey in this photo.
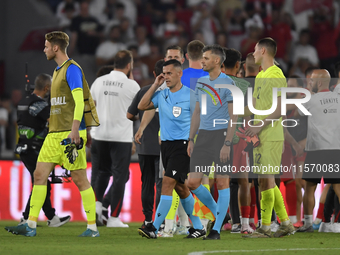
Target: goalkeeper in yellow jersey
(267, 156)
(72, 111)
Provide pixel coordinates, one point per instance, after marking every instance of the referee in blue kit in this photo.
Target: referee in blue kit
(175, 104)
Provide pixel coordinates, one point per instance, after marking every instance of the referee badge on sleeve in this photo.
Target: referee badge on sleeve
(176, 111)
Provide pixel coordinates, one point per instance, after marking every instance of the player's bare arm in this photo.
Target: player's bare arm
(225, 150)
(147, 117)
(74, 135)
(146, 103)
(194, 125)
(296, 146)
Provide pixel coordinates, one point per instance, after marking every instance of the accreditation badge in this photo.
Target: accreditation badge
(176, 111)
(214, 100)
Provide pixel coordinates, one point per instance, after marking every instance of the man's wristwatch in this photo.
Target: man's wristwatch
(191, 139)
(227, 143)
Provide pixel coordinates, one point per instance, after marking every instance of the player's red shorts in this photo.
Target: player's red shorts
(287, 163)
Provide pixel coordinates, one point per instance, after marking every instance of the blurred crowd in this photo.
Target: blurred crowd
(306, 32)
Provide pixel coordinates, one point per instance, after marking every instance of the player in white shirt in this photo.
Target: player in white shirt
(323, 142)
(112, 140)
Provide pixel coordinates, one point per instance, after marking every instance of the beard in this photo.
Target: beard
(50, 57)
(315, 89)
(128, 73)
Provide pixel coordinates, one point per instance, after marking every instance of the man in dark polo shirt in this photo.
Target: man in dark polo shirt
(148, 150)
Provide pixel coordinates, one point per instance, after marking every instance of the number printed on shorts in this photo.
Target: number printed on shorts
(258, 158)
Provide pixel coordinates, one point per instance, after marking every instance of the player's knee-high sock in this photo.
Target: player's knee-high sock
(204, 195)
(245, 212)
(279, 206)
(182, 215)
(319, 215)
(267, 204)
(162, 210)
(174, 205)
(37, 200)
(291, 200)
(222, 208)
(330, 205)
(188, 206)
(252, 205)
(89, 203)
(169, 219)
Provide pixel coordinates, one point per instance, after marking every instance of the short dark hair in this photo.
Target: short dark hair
(217, 50)
(232, 56)
(69, 7)
(122, 59)
(104, 70)
(133, 47)
(175, 47)
(174, 62)
(41, 80)
(194, 50)
(120, 6)
(309, 70)
(269, 44)
(305, 31)
(298, 80)
(159, 67)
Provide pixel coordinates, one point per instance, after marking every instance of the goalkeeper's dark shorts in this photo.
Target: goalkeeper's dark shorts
(207, 151)
(53, 152)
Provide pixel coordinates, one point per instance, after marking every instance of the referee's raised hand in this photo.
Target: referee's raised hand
(159, 80)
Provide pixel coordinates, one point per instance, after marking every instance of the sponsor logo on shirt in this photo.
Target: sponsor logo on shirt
(111, 93)
(55, 111)
(58, 101)
(330, 111)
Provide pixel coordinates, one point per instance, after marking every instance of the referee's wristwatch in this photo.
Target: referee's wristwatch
(191, 139)
(227, 143)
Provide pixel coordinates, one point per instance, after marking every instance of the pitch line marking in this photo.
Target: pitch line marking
(262, 250)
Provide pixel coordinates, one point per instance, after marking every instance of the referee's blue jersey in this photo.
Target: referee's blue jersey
(175, 110)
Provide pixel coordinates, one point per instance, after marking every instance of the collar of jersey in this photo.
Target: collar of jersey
(268, 68)
(324, 90)
(119, 74)
(217, 76)
(63, 63)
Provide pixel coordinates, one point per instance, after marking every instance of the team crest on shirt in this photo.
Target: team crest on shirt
(176, 111)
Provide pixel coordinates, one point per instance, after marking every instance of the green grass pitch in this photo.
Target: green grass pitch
(65, 240)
